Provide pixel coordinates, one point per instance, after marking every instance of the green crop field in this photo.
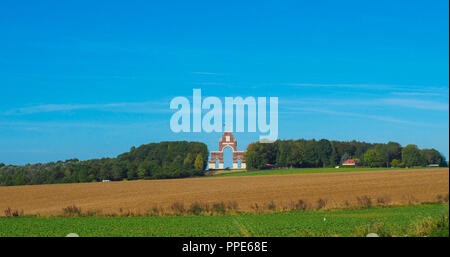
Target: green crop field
(420, 220)
(225, 173)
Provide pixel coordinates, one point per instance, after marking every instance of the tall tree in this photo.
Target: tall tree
(411, 156)
(324, 151)
(432, 156)
(199, 163)
(373, 159)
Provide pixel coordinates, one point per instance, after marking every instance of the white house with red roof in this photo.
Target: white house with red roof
(349, 162)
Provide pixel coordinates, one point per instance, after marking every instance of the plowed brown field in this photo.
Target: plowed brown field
(399, 185)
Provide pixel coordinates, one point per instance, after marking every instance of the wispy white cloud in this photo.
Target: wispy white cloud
(368, 86)
(206, 73)
(39, 125)
(412, 90)
(33, 76)
(209, 83)
(416, 103)
(347, 102)
(418, 94)
(139, 107)
(359, 115)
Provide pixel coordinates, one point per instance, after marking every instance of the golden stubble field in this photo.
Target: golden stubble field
(400, 186)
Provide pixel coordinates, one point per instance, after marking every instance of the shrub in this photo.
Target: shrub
(127, 213)
(411, 199)
(13, 213)
(272, 206)
(321, 203)
(377, 228)
(364, 201)
(153, 211)
(196, 209)
(302, 205)
(72, 211)
(232, 206)
(346, 204)
(429, 225)
(92, 213)
(178, 208)
(385, 200)
(219, 208)
(255, 207)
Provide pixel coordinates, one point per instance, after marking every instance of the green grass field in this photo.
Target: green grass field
(392, 221)
(225, 173)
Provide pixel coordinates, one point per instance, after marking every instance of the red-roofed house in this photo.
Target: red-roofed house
(270, 166)
(349, 162)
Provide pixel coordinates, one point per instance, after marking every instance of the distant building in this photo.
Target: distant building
(227, 140)
(270, 166)
(433, 165)
(349, 162)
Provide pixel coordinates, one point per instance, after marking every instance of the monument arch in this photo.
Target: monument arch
(227, 140)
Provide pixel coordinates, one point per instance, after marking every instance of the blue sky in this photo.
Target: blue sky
(88, 80)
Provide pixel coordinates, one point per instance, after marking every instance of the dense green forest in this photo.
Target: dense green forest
(324, 153)
(151, 161)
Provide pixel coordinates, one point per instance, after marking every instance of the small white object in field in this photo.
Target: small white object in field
(372, 235)
(72, 235)
(324, 219)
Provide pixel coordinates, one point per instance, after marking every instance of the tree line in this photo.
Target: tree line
(152, 161)
(323, 153)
